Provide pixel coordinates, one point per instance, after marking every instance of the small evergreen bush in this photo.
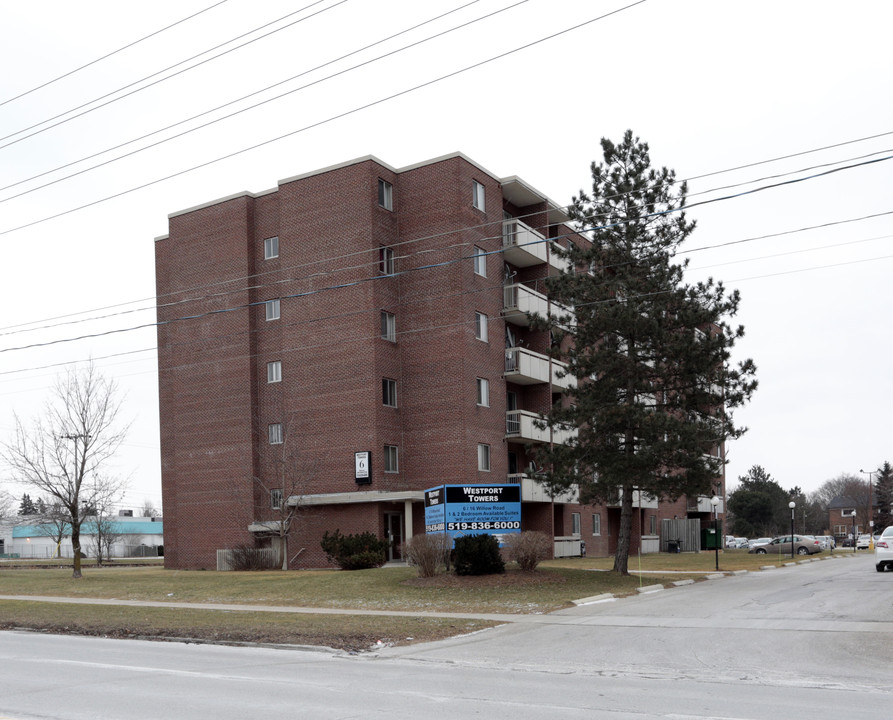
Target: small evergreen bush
(354, 552)
(477, 555)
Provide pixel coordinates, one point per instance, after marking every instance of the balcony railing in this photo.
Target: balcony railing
(525, 367)
(522, 425)
(520, 301)
(523, 246)
(533, 491)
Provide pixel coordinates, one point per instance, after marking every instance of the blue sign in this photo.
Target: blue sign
(459, 510)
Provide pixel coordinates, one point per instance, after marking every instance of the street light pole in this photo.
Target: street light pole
(870, 506)
(714, 501)
(792, 505)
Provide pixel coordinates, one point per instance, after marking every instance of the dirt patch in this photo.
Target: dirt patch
(505, 580)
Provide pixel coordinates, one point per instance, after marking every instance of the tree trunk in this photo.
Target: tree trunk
(76, 549)
(621, 556)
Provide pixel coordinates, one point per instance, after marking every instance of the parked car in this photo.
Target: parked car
(758, 541)
(782, 545)
(883, 550)
(741, 542)
(829, 541)
(863, 542)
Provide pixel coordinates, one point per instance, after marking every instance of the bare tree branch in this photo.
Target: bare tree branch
(65, 450)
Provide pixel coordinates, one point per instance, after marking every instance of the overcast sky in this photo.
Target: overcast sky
(711, 86)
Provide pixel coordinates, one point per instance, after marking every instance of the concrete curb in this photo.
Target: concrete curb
(649, 589)
(680, 583)
(593, 599)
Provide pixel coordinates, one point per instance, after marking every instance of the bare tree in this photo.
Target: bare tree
(63, 452)
(285, 484)
(7, 503)
(149, 510)
(53, 522)
(108, 492)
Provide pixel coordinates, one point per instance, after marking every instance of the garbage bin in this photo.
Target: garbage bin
(673, 546)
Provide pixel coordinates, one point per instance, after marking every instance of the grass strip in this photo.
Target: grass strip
(352, 633)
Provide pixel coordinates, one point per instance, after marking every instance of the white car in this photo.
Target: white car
(758, 541)
(883, 550)
(863, 542)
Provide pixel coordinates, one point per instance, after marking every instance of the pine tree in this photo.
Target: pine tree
(651, 353)
(883, 494)
(27, 507)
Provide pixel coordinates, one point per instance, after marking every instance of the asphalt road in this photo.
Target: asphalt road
(811, 641)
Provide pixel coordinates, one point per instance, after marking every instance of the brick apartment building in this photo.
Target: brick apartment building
(359, 308)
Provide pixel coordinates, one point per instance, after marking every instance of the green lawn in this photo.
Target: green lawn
(555, 584)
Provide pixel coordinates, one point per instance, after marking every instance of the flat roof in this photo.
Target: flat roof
(517, 191)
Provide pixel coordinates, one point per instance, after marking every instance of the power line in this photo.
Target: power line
(108, 55)
(240, 99)
(324, 121)
(168, 77)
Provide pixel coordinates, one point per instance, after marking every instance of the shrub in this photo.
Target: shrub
(528, 549)
(477, 555)
(428, 553)
(248, 557)
(354, 552)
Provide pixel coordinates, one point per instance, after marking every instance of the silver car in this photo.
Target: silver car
(782, 545)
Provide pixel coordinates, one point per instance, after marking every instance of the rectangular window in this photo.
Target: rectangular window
(597, 524)
(481, 326)
(276, 499)
(388, 326)
(391, 459)
(271, 248)
(483, 392)
(389, 392)
(387, 263)
(575, 524)
(477, 195)
(274, 371)
(274, 432)
(272, 307)
(480, 261)
(385, 194)
(483, 457)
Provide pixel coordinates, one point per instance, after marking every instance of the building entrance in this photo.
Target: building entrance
(393, 523)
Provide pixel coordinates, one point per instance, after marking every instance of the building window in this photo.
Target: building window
(483, 457)
(274, 371)
(274, 432)
(480, 261)
(483, 392)
(271, 248)
(388, 326)
(575, 524)
(390, 459)
(387, 263)
(389, 392)
(652, 527)
(480, 326)
(272, 307)
(597, 524)
(276, 499)
(477, 195)
(385, 194)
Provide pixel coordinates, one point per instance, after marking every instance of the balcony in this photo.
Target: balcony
(523, 247)
(525, 367)
(519, 302)
(701, 504)
(520, 425)
(640, 500)
(533, 491)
